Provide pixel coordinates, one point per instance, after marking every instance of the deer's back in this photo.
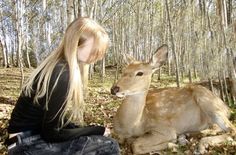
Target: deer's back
(178, 107)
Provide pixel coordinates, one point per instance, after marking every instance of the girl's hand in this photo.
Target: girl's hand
(107, 132)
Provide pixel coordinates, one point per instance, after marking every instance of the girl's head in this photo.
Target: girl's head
(84, 41)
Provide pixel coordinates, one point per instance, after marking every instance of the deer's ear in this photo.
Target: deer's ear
(160, 57)
(128, 58)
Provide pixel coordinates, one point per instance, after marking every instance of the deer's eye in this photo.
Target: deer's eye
(139, 74)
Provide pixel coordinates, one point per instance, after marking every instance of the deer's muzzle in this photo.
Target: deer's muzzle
(115, 90)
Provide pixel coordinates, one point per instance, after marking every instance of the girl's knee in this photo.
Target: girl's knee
(110, 144)
(114, 145)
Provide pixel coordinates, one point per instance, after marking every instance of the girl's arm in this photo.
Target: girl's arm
(50, 125)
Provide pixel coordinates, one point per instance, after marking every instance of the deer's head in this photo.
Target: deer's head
(136, 77)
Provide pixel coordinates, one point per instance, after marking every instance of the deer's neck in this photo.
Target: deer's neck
(130, 116)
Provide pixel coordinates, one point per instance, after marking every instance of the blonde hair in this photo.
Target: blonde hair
(76, 34)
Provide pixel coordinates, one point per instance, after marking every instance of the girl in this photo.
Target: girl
(44, 120)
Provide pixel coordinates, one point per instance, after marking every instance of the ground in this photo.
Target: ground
(102, 107)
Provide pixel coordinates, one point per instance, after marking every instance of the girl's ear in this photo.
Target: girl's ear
(160, 57)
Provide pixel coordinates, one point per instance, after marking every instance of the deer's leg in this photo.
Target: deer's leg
(154, 141)
(212, 141)
(214, 130)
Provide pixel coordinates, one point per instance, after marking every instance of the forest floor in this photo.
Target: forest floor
(102, 107)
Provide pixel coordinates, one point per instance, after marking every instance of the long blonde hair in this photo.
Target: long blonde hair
(76, 34)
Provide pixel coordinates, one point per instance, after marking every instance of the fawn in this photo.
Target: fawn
(155, 117)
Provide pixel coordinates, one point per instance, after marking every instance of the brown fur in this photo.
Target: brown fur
(157, 116)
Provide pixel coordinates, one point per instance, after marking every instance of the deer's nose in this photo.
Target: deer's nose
(115, 90)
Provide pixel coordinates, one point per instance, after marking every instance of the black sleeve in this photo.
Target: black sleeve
(50, 125)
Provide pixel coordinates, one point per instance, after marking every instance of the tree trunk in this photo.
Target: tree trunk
(173, 45)
(69, 11)
(3, 48)
(81, 11)
(27, 50)
(211, 85)
(159, 74)
(19, 45)
(233, 89)
(226, 89)
(103, 69)
(190, 76)
(221, 88)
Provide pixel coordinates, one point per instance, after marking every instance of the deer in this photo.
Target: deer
(155, 117)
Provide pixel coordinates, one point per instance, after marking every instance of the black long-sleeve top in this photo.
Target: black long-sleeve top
(28, 116)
